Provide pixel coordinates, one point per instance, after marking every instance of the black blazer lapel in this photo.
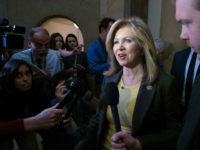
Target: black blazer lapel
(144, 99)
(179, 64)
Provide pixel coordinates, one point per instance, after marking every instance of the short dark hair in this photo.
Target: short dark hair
(104, 23)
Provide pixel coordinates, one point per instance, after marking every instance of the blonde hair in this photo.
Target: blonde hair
(144, 40)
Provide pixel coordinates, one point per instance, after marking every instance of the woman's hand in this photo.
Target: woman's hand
(125, 141)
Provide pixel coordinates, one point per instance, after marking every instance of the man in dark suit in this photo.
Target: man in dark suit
(190, 22)
(185, 72)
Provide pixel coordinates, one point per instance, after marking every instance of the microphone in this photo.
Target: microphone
(112, 99)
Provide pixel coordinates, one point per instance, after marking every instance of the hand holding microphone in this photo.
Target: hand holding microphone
(121, 139)
(69, 94)
(124, 140)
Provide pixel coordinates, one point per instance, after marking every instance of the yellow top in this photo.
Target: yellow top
(126, 106)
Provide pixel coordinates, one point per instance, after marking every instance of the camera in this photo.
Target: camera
(10, 35)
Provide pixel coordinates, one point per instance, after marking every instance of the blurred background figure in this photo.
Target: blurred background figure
(75, 63)
(44, 61)
(161, 47)
(97, 56)
(57, 43)
(71, 43)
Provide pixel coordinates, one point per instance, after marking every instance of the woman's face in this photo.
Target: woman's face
(59, 42)
(125, 48)
(72, 42)
(23, 79)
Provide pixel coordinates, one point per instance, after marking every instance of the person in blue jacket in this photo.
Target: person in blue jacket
(96, 52)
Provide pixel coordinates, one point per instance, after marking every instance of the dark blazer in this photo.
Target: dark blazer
(190, 136)
(178, 65)
(156, 120)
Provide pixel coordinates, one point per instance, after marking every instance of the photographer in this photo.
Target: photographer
(79, 105)
(45, 62)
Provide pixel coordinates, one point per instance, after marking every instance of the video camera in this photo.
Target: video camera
(8, 40)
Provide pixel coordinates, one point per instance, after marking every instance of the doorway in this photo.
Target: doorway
(64, 26)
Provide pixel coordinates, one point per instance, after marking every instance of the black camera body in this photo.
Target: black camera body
(10, 36)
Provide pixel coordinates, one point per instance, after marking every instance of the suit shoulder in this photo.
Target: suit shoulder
(182, 52)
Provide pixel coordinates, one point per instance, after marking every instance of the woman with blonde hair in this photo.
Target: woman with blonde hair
(149, 103)
(145, 42)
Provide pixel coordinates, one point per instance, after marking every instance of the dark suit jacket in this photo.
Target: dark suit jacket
(178, 65)
(156, 119)
(190, 136)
